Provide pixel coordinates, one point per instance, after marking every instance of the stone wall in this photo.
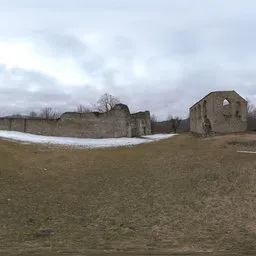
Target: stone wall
(40, 126)
(86, 125)
(4, 124)
(140, 124)
(114, 124)
(221, 112)
(161, 127)
(33, 125)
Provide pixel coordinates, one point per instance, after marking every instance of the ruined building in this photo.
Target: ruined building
(219, 112)
(118, 122)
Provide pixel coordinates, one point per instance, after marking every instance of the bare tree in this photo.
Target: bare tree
(48, 113)
(16, 115)
(251, 120)
(153, 118)
(252, 114)
(251, 109)
(107, 102)
(175, 122)
(83, 109)
(33, 114)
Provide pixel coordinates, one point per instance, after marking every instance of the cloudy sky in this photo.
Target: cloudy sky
(157, 55)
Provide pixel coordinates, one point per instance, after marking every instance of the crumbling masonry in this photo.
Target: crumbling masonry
(219, 112)
(118, 122)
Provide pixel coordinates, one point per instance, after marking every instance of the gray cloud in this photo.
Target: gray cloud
(157, 55)
(59, 45)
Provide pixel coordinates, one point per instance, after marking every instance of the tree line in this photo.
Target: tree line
(171, 124)
(104, 104)
(251, 110)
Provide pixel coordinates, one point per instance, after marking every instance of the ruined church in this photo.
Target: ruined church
(219, 112)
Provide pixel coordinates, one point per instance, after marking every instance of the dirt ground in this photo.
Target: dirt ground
(180, 195)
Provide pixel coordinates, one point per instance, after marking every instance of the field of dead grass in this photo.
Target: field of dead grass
(183, 194)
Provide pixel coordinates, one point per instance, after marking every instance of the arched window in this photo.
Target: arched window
(227, 108)
(225, 102)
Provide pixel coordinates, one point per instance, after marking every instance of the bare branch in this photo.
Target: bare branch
(153, 118)
(175, 122)
(48, 113)
(16, 115)
(83, 109)
(33, 114)
(251, 109)
(107, 102)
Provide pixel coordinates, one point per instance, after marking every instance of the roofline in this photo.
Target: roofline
(213, 92)
(141, 112)
(241, 96)
(201, 99)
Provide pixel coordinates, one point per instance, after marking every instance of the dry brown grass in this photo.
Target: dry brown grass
(178, 195)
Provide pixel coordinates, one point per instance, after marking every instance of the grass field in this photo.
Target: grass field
(183, 194)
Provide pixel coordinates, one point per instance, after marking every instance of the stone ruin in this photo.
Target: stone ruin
(219, 112)
(116, 123)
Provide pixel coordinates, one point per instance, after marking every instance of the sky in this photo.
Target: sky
(156, 55)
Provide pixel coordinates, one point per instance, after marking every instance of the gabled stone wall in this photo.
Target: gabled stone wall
(220, 112)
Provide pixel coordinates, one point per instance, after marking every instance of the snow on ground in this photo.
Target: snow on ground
(248, 152)
(80, 142)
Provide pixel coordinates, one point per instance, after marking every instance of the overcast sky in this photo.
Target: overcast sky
(157, 55)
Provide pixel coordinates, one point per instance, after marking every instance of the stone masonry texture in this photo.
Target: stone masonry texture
(219, 112)
(118, 122)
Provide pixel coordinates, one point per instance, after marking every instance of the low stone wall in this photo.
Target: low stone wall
(114, 124)
(4, 124)
(33, 125)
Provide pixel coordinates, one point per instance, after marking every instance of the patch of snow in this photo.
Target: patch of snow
(248, 152)
(159, 136)
(81, 142)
